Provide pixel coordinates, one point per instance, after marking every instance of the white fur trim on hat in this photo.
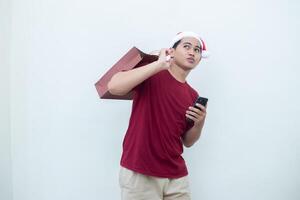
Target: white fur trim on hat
(180, 35)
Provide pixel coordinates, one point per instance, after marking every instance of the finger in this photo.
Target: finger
(194, 114)
(163, 54)
(168, 58)
(197, 110)
(203, 109)
(164, 51)
(191, 117)
(168, 51)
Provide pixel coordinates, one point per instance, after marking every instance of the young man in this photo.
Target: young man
(151, 165)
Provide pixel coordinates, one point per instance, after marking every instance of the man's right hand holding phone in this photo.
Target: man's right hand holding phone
(197, 113)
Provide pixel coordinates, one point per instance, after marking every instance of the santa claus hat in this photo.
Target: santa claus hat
(181, 35)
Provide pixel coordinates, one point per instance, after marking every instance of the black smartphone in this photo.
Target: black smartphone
(201, 100)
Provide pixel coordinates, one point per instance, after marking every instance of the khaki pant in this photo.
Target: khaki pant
(136, 186)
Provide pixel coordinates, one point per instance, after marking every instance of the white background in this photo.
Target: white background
(60, 141)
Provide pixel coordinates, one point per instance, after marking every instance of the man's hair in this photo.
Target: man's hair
(176, 44)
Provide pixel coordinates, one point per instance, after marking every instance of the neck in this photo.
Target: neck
(178, 73)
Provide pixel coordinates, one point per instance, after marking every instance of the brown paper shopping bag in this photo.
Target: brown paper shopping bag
(132, 59)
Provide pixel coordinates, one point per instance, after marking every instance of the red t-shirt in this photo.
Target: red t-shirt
(152, 144)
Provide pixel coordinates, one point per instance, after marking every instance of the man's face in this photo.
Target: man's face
(187, 54)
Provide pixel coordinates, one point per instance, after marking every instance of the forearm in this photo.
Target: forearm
(123, 82)
(198, 115)
(192, 135)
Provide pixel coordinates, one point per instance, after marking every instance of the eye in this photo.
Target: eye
(186, 46)
(197, 50)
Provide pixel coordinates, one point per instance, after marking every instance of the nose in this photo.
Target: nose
(191, 52)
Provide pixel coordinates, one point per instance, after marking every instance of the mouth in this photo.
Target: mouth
(190, 60)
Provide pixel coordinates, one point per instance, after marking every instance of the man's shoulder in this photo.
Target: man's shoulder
(192, 90)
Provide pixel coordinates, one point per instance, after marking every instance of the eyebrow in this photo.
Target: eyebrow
(191, 44)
